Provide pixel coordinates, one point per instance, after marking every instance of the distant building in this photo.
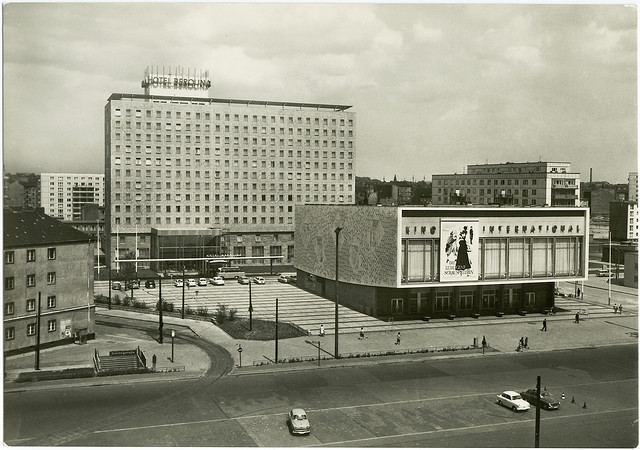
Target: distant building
(21, 191)
(412, 262)
(633, 187)
(62, 195)
(47, 261)
(623, 221)
(631, 269)
(390, 194)
(510, 184)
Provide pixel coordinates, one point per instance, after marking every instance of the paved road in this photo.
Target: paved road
(447, 402)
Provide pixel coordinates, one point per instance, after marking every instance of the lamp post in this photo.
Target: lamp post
(250, 308)
(335, 354)
(240, 353)
(173, 335)
(609, 278)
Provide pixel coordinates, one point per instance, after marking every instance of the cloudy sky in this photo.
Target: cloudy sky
(435, 87)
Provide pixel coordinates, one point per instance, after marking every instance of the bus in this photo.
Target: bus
(230, 272)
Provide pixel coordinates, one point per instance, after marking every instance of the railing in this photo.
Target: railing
(141, 359)
(96, 360)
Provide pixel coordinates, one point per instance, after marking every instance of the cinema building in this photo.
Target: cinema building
(416, 262)
(188, 175)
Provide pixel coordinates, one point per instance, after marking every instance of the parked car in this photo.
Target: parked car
(178, 282)
(513, 400)
(133, 284)
(293, 279)
(150, 284)
(298, 421)
(259, 280)
(191, 282)
(283, 279)
(547, 401)
(603, 273)
(243, 280)
(217, 281)
(202, 282)
(116, 285)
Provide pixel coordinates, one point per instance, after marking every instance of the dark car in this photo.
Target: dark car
(133, 284)
(150, 284)
(547, 401)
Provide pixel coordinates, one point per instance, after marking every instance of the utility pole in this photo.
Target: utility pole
(182, 310)
(38, 334)
(109, 283)
(160, 308)
(250, 309)
(335, 353)
(609, 280)
(537, 443)
(276, 330)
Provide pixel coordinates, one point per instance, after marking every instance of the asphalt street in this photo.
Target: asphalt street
(446, 402)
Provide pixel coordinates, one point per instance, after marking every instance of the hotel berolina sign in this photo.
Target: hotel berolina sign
(176, 78)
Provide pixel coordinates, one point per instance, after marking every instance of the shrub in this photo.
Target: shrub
(139, 305)
(126, 301)
(115, 300)
(202, 311)
(166, 306)
(232, 314)
(221, 314)
(100, 298)
(189, 311)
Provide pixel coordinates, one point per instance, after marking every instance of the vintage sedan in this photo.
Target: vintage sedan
(547, 401)
(513, 400)
(191, 282)
(298, 421)
(259, 280)
(202, 282)
(178, 282)
(217, 281)
(243, 280)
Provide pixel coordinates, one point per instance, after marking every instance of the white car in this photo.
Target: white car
(298, 421)
(217, 281)
(259, 280)
(513, 400)
(191, 282)
(178, 283)
(202, 282)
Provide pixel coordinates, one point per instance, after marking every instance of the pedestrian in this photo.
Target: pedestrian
(544, 325)
(620, 308)
(484, 341)
(578, 292)
(577, 317)
(615, 308)
(321, 330)
(361, 333)
(522, 342)
(398, 338)
(526, 342)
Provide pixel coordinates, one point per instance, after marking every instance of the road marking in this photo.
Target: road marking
(368, 405)
(472, 427)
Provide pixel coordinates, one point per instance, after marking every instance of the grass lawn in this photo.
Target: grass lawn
(262, 330)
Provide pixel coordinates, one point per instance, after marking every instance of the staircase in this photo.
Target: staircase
(120, 361)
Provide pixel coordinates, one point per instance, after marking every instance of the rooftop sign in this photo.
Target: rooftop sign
(176, 81)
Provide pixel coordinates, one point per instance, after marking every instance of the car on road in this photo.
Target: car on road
(217, 281)
(298, 421)
(293, 279)
(178, 282)
(150, 284)
(116, 285)
(603, 273)
(283, 278)
(133, 284)
(547, 401)
(243, 280)
(202, 282)
(191, 282)
(259, 280)
(513, 400)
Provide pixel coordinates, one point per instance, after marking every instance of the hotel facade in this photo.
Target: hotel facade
(509, 184)
(193, 176)
(412, 262)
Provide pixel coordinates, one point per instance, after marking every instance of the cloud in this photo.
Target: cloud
(423, 34)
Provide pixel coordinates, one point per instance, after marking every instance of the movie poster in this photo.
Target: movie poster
(459, 250)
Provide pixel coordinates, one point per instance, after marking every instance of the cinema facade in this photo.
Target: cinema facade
(417, 262)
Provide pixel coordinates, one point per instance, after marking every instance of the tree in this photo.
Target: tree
(128, 269)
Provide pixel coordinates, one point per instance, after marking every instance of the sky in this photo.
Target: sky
(435, 87)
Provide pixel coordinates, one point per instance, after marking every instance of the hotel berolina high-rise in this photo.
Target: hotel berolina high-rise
(192, 176)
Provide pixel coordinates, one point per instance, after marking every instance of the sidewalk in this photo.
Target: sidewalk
(602, 328)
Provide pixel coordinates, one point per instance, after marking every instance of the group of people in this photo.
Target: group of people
(617, 308)
(524, 343)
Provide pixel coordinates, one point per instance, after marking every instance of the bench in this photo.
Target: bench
(451, 316)
(426, 318)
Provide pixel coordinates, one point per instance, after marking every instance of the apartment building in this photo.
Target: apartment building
(189, 176)
(623, 221)
(49, 263)
(633, 187)
(62, 195)
(509, 184)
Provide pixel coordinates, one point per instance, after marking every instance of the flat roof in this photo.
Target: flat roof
(119, 96)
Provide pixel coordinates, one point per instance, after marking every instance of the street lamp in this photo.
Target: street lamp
(337, 231)
(250, 308)
(173, 335)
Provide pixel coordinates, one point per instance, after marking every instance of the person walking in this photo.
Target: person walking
(526, 342)
(544, 325)
(577, 317)
(321, 330)
(620, 308)
(398, 338)
(484, 341)
(361, 333)
(522, 342)
(615, 308)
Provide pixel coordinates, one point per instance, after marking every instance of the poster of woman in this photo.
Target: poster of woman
(459, 250)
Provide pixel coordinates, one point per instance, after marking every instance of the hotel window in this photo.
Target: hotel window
(51, 301)
(51, 325)
(31, 304)
(31, 280)
(9, 308)
(31, 329)
(9, 333)
(51, 278)
(9, 257)
(31, 255)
